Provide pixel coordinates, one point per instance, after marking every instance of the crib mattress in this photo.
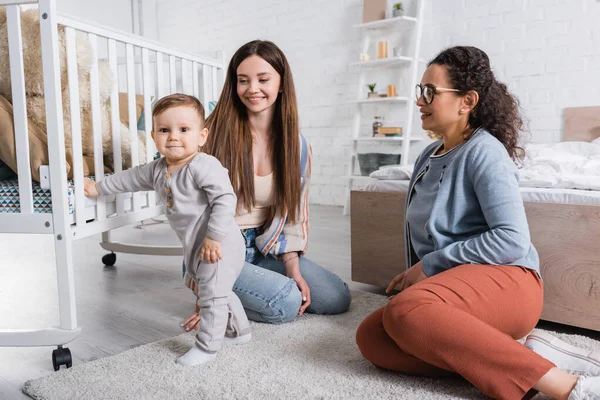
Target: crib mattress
(42, 199)
(540, 195)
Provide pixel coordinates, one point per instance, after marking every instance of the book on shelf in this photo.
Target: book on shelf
(385, 131)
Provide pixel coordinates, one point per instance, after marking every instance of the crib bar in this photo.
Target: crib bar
(19, 108)
(132, 117)
(185, 77)
(160, 88)
(76, 146)
(195, 83)
(150, 149)
(205, 86)
(215, 84)
(220, 73)
(97, 126)
(172, 75)
(115, 120)
(56, 153)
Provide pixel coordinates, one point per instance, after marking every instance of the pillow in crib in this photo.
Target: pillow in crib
(393, 173)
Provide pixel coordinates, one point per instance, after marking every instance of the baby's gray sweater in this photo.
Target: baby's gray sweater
(202, 200)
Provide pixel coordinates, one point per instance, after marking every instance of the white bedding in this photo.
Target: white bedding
(542, 195)
(563, 165)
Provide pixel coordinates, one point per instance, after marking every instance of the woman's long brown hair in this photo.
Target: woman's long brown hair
(230, 140)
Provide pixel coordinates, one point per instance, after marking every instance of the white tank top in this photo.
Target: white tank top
(263, 192)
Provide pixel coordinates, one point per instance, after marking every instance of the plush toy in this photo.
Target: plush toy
(34, 87)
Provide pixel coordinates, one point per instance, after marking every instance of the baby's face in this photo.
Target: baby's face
(178, 133)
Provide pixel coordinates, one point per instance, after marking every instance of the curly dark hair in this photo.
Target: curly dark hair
(498, 110)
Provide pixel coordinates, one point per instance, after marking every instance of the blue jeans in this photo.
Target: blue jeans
(268, 295)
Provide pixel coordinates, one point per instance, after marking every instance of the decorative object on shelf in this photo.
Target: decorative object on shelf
(372, 90)
(389, 131)
(382, 49)
(394, 63)
(377, 125)
(364, 57)
(371, 162)
(392, 91)
(374, 10)
(398, 11)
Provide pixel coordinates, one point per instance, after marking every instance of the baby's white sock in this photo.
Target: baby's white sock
(238, 339)
(195, 356)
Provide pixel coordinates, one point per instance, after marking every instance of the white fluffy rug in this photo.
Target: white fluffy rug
(314, 357)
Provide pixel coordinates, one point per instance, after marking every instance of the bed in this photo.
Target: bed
(564, 226)
(45, 201)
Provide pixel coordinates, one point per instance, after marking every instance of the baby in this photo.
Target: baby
(200, 206)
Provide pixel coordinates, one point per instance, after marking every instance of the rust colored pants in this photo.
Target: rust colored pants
(464, 320)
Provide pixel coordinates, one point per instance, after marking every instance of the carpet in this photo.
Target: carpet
(314, 357)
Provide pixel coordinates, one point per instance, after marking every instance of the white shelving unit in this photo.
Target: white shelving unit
(404, 103)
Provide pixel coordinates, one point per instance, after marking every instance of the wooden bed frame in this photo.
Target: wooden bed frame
(567, 237)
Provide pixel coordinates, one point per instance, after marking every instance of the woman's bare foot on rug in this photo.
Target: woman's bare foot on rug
(195, 356)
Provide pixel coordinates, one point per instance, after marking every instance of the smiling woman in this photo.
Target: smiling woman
(254, 132)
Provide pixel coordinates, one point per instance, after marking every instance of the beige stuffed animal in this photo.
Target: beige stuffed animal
(32, 58)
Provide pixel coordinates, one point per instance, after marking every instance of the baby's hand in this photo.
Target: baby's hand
(89, 188)
(211, 249)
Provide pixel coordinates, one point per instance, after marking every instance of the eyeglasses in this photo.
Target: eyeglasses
(428, 92)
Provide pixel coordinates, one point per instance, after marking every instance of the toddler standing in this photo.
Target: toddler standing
(200, 206)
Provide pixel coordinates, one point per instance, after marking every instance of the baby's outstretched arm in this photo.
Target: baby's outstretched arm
(132, 180)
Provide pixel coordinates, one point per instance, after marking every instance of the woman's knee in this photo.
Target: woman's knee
(402, 314)
(366, 330)
(335, 300)
(369, 336)
(284, 307)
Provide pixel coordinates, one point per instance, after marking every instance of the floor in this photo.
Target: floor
(140, 300)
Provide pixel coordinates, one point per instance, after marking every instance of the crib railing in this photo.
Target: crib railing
(140, 67)
(157, 65)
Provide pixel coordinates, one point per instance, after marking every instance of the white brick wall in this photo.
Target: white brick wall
(319, 41)
(547, 51)
(112, 13)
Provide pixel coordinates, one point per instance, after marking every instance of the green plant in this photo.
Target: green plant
(398, 6)
(372, 87)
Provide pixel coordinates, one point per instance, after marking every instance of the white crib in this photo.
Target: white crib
(151, 67)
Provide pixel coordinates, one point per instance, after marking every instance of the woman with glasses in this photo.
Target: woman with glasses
(473, 285)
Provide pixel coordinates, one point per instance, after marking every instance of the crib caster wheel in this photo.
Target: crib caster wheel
(109, 259)
(61, 356)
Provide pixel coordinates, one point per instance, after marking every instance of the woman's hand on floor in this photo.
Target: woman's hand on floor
(291, 261)
(304, 290)
(192, 321)
(407, 278)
